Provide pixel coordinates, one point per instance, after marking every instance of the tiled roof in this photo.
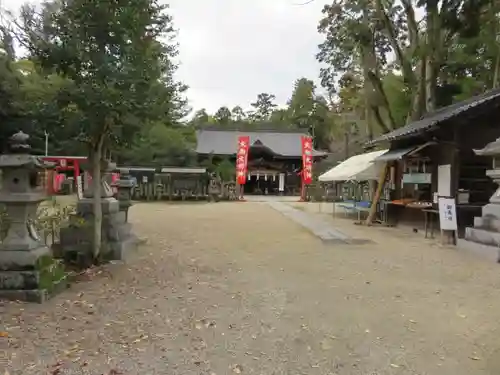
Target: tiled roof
(435, 118)
(223, 142)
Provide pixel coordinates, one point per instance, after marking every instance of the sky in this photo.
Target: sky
(232, 50)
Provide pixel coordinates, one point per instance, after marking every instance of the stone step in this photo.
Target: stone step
(487, 222)
(483, 236)
(490, 253)
(33, 295)
(22, 280)
(491, 209)
(37, 295)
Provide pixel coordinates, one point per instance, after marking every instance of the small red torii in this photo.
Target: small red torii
(63, 164)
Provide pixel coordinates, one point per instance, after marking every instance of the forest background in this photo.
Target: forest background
(385, 63)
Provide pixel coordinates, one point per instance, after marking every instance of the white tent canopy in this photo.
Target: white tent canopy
(356, 168)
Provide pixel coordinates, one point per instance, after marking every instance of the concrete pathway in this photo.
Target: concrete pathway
(319, 228)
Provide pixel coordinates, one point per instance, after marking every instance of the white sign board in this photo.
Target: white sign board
(144, 179)
(444, 180)
(79, 187)
(447, 214)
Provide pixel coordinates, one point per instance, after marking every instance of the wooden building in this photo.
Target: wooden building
(275, 157)
(434, 156)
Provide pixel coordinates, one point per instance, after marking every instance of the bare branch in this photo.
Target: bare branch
(301, 4)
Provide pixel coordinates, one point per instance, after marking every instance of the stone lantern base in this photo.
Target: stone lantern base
(34, 278)
(28, 270)
(484, 237)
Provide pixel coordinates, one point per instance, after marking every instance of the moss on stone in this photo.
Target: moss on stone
(43, 261)
(51, 274)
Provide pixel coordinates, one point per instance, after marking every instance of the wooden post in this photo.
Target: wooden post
(302, 190)
(242, 192)
(378, 194)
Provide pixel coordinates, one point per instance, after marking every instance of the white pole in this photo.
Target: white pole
(46, 143)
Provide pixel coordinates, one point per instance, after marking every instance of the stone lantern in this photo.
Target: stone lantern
(117, 238)
(124, 186)
(484, 237)
(106, 191)
(492, 150)
(27, 269)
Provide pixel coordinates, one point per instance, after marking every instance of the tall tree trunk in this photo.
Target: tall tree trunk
(404, 59)
(369, 63)
(346, 144)
(433, 53)
(368, 120)
(368, 93)
(494, 9)
(496, 71)
(96, 187)
(413, 79)
(382, 102)
(417, 108)
(375, 97)
(430, 85)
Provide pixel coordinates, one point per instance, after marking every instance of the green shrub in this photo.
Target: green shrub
(48, 221)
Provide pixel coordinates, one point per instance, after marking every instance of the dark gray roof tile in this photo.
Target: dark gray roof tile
(439, 116)
(222, 142)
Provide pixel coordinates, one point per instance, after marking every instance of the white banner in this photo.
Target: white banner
(281, 186)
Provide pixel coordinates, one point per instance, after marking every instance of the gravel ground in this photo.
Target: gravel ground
(236, 288)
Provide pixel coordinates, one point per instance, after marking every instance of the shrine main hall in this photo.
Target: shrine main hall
(274, 159)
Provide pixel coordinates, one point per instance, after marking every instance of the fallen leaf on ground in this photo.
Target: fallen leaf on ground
(237, 369)
(475, 358)
(325, 345)
(394, 365)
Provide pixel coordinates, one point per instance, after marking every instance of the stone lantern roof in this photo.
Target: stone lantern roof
(491, 149)
(19, 156)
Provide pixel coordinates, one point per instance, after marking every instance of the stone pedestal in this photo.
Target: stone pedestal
(484, 238)
(124, 187)
(117, 238)
(28, 271)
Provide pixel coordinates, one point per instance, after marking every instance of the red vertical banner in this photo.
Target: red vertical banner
(307, 159)
(242, 159)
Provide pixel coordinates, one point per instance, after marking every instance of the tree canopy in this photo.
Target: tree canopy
(385, 63)
(407, 56)
(99, 73)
